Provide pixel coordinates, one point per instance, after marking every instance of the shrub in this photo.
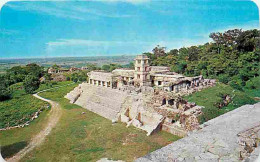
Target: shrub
(208, 114)
(5, 92)
(31, 83)
(235, 84)
(75, 79)
(224, 78)
(253, 83)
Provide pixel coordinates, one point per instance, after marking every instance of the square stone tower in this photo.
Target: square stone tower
(142, 69)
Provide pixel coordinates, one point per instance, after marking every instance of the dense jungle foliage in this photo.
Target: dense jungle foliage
(28, 74)
(233, 58)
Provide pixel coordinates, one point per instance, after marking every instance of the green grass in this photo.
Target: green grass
(208, 97)
(19, 108)
(90, 137)
(13, 140)
(53, 85)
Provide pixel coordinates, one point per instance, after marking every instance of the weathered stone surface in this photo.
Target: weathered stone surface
(218, 140)
(104, 101)
(107, 160)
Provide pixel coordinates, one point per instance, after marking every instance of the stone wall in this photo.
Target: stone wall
(100, 76)
(228, 138)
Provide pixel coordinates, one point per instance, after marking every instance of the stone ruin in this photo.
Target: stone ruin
(231, 137)
(146, 108)
(149, 98)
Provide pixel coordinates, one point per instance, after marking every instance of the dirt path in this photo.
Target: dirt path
(53, 118)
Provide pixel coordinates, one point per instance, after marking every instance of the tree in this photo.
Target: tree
(159, 51)
(173, 52)
(55, 66)
(248, 40)
(5, 92)
(105, 67)
(228, 38)
(47, 77)
(31, 83)
(34, 69)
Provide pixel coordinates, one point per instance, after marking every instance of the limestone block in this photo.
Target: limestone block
(124, 119)
(136, 123)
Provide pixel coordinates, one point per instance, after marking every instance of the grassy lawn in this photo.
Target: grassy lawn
(17, 111)
(13, 140)
(208, 97)
(20, 108)
(52, 85)
(90, 137)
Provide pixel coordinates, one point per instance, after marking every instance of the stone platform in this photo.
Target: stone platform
(230, 137)
(103, 101)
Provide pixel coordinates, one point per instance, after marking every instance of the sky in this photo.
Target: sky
(116, 27)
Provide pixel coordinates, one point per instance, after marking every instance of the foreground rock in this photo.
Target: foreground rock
(233, 136)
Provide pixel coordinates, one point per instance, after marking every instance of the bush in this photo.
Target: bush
(224, 78)
(31, 83)
(75, 80)
(5, 92)
(236, 83)
(253, 83)
(208, 114)
(68, 78)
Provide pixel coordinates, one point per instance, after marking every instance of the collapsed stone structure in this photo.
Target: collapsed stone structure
(148, 97)
(231, 137)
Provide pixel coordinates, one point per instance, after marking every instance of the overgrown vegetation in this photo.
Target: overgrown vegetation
(28, 74)
(20, 108)
(80, 76)
(211, 97)
(233, 58)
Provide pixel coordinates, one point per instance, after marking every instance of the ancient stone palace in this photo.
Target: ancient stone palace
(147, 97)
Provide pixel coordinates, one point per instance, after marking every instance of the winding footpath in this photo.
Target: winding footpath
(53, 118)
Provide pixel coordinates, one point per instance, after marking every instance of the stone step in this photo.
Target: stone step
(100, 110)
(101, 100)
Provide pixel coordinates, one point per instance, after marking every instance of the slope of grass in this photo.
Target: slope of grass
(13, 140)
(90, 137)
(52, 85)
(20, 108)
(17, 111)
(210, 96)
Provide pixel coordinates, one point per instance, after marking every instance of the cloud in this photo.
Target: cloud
(68, 10)
(84, 42)
(102, 46)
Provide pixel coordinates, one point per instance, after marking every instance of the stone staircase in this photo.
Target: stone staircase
(104, 101)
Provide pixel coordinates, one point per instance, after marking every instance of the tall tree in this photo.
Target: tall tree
(159, 51)
(31, 83)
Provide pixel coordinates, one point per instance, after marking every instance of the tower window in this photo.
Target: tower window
(138, 76)
(138, 68)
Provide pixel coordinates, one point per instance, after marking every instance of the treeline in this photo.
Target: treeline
(233, 58)
(28, 74)
(110, 67)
